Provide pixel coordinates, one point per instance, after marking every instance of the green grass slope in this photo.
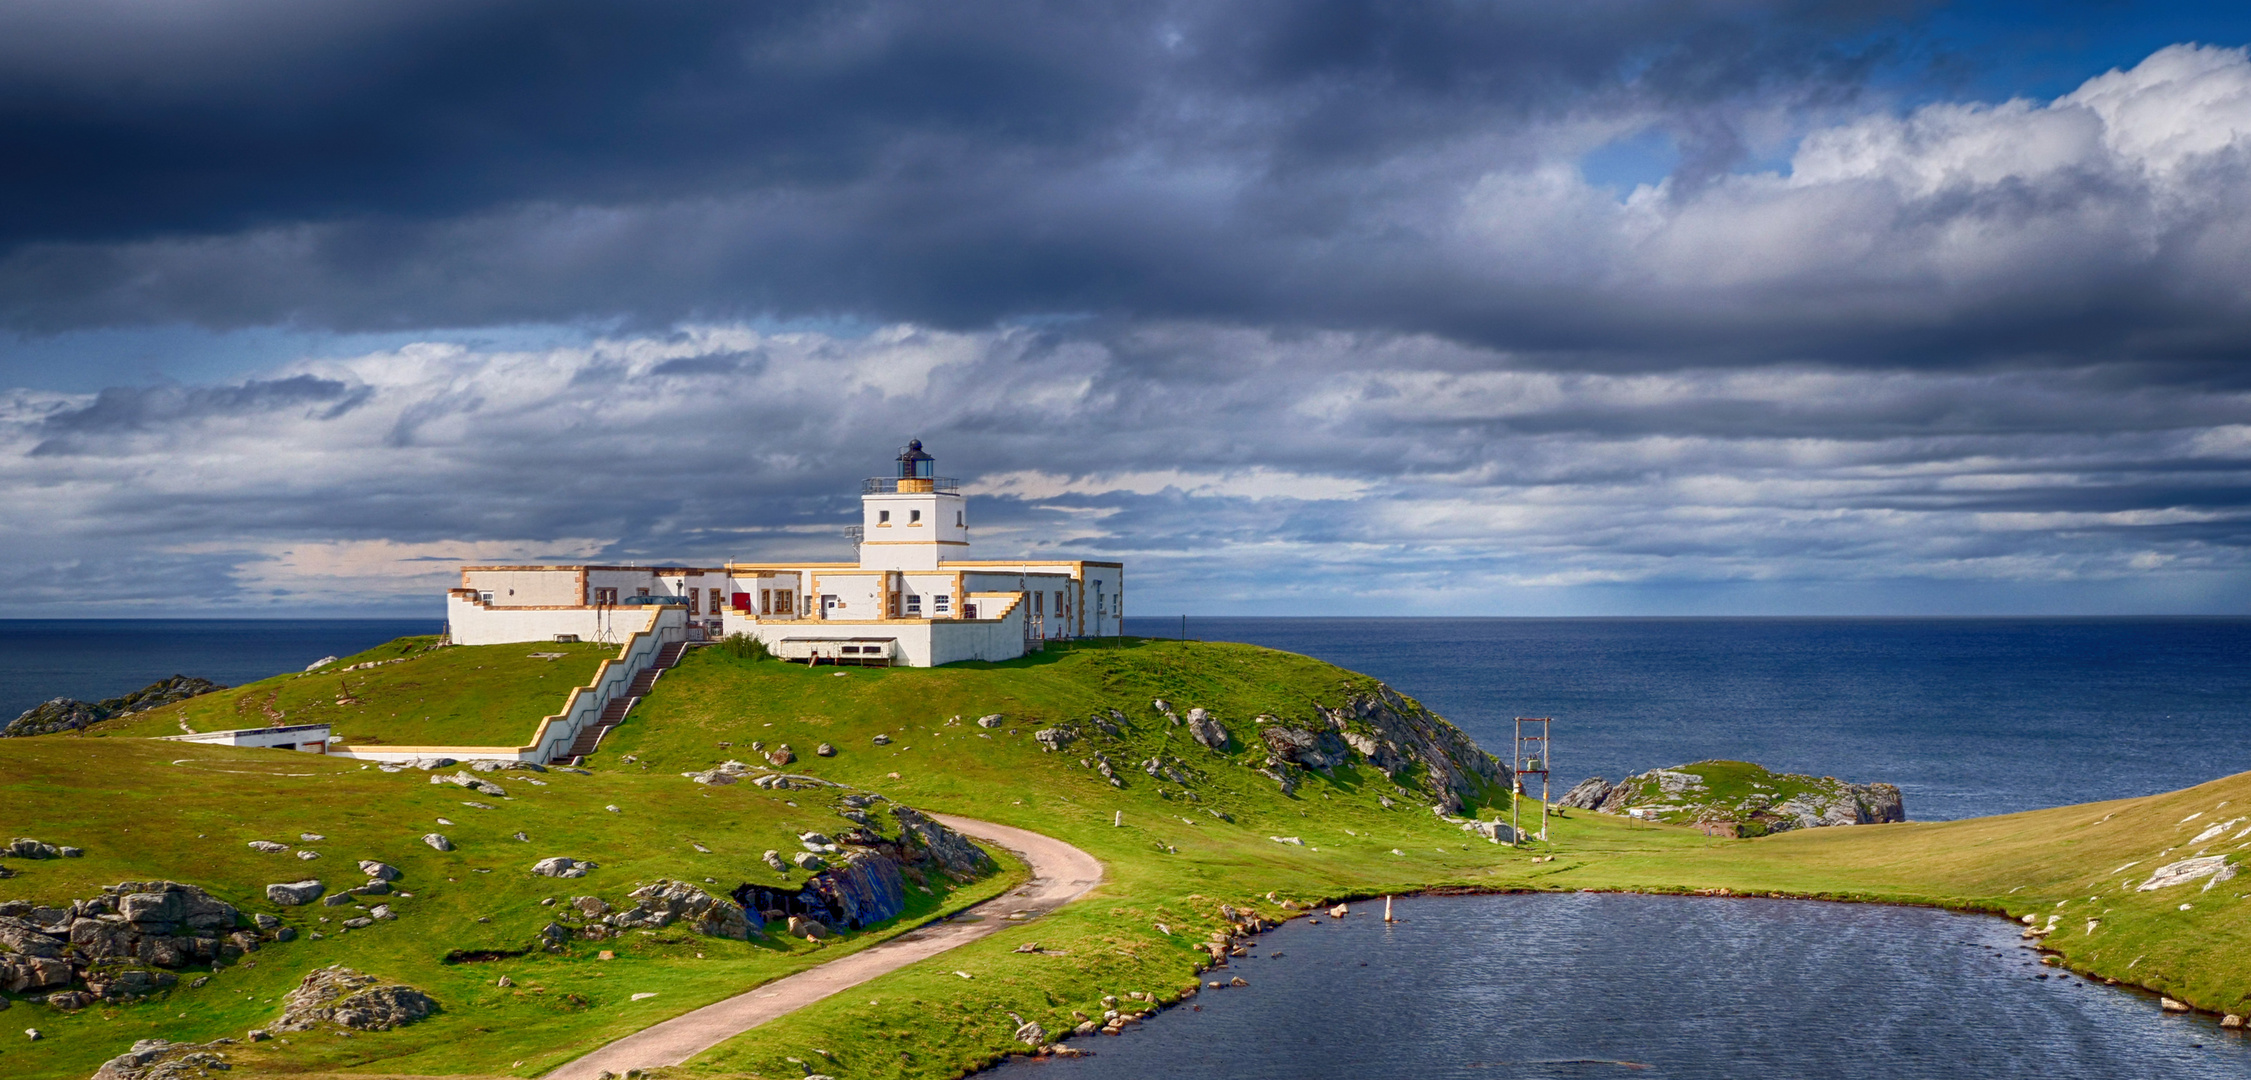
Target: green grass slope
(1176, 848)
(146, 810)
(421, 695)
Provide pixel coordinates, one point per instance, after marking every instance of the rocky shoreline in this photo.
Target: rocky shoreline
(69, 714)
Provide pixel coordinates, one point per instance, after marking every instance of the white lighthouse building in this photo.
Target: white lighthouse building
(913, 597)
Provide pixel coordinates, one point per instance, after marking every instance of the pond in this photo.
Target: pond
(1596, 985)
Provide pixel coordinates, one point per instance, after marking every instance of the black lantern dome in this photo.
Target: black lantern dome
(914, 464)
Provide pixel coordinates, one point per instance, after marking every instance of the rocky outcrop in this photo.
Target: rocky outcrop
(156, 1059)
(346, 998)
(1400, 737)
(1587, 794)
(667, 903)
(1054, 738)
(2213, 867)
(118, 943)
(949, 849)
(864, 889)
(1752, 799)
(24, 847)
(67, 714)
(560, 866)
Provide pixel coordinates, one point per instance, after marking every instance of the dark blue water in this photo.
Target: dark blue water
(1968, 716)
(91, 659)
(1661, 988)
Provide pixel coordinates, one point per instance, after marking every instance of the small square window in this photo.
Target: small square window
(940, 602)
(883, 517)
(914, 603)
(914, 517)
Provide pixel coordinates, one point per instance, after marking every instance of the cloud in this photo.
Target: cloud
(1378, 475)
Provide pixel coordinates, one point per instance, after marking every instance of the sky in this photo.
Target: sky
(1298, 307)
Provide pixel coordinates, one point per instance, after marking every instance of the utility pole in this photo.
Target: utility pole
(1532, 756)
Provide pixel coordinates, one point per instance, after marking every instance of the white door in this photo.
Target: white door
(828, 605)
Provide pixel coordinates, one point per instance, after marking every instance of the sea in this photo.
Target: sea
(1968, 716)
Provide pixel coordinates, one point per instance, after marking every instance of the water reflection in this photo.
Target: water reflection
(1570, 985)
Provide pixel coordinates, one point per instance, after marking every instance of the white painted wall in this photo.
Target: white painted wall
(543, 587)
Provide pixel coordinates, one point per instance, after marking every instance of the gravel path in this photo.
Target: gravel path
(1060, 874)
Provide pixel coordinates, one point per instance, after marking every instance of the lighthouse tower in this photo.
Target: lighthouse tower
(914, 520)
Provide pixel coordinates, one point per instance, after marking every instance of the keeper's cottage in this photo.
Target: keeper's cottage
(914, 597)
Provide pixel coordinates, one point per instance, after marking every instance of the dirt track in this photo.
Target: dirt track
(1060, 874)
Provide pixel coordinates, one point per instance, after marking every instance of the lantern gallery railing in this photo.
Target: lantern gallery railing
(907, 485)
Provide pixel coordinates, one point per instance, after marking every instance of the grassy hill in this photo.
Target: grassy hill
(1213, 830)
(418, 695)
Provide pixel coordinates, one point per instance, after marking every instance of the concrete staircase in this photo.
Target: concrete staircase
(613, 714)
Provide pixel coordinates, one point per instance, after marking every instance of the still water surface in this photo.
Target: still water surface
(1661, 988)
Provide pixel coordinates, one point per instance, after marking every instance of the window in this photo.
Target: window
(765, 601)
(1039, 603)
(715, 601)
(938, 603)
(695, 602)
(785, 602)
(914, 605)
(914, 517)
(485, 598)
(883, 517)
(968, 611)
(640, 592)
(605, 596)
(957, 520)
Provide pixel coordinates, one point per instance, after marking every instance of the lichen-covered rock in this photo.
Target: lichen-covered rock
(347, 998)
(559, 866)
(294, 893)
(1206, 730)
(1054, 738)
(1298, 746)
(1754, 800)
(24, 847)
(1396, 733)
(950, 849)
(156, 1059)
(1586, 794)
(2214, 867)
(669, 901)
(463, 779)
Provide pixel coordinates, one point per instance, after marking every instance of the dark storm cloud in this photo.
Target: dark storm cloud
(410, 164)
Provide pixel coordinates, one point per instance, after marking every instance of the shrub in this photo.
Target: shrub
(745, 647)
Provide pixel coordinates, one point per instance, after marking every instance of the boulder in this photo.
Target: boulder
(720, 775)
(1298, 746)
(559, 866)
(808, 928)
(438, 841)
(380, 871)
(806, 860)
(347, 998)
(1031, 1034)
(294, 893)
(1054, 738)
(24, 847)
(990, 721)
(824, 750)
(774, 859)
(1206, 730)
(268, 847)
(780, 756)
